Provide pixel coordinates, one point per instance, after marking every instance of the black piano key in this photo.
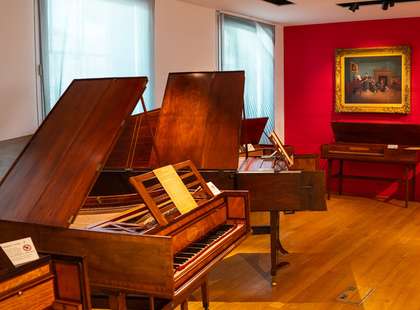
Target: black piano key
(199, 245)
(186, 254)
(180, 260)
(191, 249)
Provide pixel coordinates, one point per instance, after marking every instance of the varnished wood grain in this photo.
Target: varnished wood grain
(360, 242)
(295, 190)
(200, 119)
(9, 150)
(134, 147)
(39, 297)
(110, 256)
(65, 155)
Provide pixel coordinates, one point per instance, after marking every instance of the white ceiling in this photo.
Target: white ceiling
(309, 11)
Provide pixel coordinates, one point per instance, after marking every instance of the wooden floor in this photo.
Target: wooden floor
(359, 242)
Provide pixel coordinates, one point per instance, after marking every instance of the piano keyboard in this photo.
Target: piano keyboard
(186, 255)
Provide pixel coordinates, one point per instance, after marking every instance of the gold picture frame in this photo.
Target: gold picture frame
(373, 80)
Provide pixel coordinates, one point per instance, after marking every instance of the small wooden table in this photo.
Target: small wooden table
(405, 178)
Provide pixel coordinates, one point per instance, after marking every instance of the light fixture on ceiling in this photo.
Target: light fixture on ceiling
(279, 2)
(385, 4)
(354, 7)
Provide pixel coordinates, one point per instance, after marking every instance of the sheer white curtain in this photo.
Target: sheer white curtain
(249, 45)
(94, 38)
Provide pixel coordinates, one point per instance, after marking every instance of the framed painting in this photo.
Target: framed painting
(375, 80)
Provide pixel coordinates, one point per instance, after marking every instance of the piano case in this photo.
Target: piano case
(43, 192)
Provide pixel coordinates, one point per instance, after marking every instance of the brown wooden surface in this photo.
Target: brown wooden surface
(295, 191)
(308, 162)
(111, 257)
(370, 153)
(71, 280)
(33, 272)
(30, 286)
(61, 162)
(252, 130)
(156, 197)
(350, 245)
(200, 119)
(38, 297)
(380, 133)
(66, 305)
(133, 148)
(9, 150)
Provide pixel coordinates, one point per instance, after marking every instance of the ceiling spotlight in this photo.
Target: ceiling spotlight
(386, 4)
(354, 7)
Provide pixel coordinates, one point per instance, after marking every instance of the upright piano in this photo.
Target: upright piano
(389, 143)
(200, 119)
(128, 252)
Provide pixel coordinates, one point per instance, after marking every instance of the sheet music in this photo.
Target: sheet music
(176, 189)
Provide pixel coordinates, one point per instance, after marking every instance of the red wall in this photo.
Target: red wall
(309, 87)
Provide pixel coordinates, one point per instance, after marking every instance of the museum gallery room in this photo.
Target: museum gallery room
(209, 154)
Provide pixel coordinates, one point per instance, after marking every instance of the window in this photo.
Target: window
(94, 38)
(249, 45)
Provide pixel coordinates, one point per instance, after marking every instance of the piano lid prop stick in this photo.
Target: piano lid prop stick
(150, 129)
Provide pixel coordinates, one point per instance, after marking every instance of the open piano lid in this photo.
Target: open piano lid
(200, 120)
(51, 178)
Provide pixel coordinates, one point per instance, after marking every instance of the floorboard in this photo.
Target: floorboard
(359, 242)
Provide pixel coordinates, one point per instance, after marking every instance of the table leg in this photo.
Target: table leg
(413, 184)
(340, 178)
(407, 191)
(329, 172)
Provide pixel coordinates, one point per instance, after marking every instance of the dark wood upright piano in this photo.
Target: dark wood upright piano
(375, 143)
(200, 119)
(44, 193)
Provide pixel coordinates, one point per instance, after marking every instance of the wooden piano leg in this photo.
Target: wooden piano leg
(184, 305)
(117, 301)
(205, 295)
(275, 244)
(329, 173)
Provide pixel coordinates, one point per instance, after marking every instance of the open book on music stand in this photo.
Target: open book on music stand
(279, 150)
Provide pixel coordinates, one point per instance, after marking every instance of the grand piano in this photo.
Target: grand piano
(44, 193)
(386, 143)
(200, 119)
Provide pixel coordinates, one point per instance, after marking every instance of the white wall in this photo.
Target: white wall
(18, 106)
(185, 40)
